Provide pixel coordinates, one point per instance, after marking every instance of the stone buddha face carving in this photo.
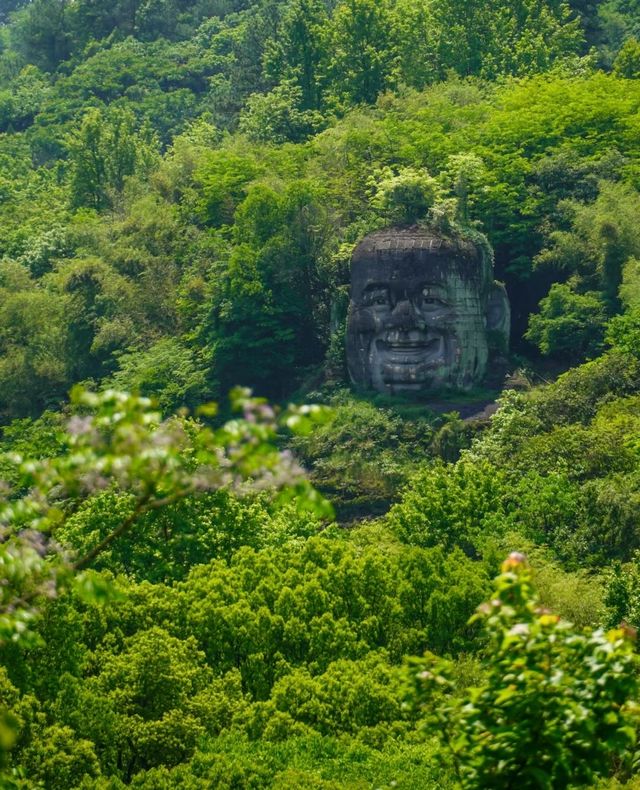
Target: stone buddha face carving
(424, 311)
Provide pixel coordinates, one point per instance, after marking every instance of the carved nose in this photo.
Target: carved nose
(403, 316)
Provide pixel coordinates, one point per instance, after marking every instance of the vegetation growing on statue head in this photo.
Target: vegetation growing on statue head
(404, 197)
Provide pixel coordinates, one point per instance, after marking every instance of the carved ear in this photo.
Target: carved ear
(498, 317)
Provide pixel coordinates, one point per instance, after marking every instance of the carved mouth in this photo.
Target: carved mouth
(408, 352)
(407, 361)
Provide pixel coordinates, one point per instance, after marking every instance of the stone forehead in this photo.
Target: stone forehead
(408, 239)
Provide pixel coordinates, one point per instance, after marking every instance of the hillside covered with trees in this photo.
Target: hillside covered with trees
(205, 581)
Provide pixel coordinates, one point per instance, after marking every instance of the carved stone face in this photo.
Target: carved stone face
(420, 313)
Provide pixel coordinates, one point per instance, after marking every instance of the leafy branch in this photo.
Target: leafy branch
(117, 441)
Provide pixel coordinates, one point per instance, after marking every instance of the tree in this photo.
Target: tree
(126, 447)
(106, 150)
(569, 325)
(416, 35)
(361, 51)
(59, 759)
(278, 116)
(297, 53)
(100, 307)
(145, 706)
(168, 371)
(530, 37)
(406, 197)
(622, 592)
(463, 29)
(224, 178)
(8, 7)
(618, 20)
(42, 32)
(556, 704)
(490, 39)
(450, 506)
(601, 238)
(34, 350)
(588, 12)
(262, 322)
(18, 106)
(627, 63)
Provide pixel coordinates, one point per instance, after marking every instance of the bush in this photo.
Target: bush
(555, 708)
(570, 325)
(451, 506)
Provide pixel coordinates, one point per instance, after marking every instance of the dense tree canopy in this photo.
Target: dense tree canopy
(182, 183)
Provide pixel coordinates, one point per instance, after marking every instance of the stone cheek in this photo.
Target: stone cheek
(469, 364)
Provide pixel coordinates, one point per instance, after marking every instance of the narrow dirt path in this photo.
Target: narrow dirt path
(469, 412)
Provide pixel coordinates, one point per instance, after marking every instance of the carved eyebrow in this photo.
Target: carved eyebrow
(436, 288)
(376, 287)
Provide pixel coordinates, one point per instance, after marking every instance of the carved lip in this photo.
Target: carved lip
(408, 352)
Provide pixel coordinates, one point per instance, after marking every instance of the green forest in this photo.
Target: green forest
(223, 565)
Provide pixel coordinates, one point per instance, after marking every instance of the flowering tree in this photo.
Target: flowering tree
(556, 705)
(119, 441)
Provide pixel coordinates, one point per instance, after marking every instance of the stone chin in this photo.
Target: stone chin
(421, 311)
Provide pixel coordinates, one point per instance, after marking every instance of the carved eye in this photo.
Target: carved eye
(431, 300)
(378, 297)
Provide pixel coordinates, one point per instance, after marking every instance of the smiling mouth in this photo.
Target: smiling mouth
(410, 349)
(407, 360)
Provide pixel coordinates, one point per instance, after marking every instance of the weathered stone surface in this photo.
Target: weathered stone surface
(424, 312)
